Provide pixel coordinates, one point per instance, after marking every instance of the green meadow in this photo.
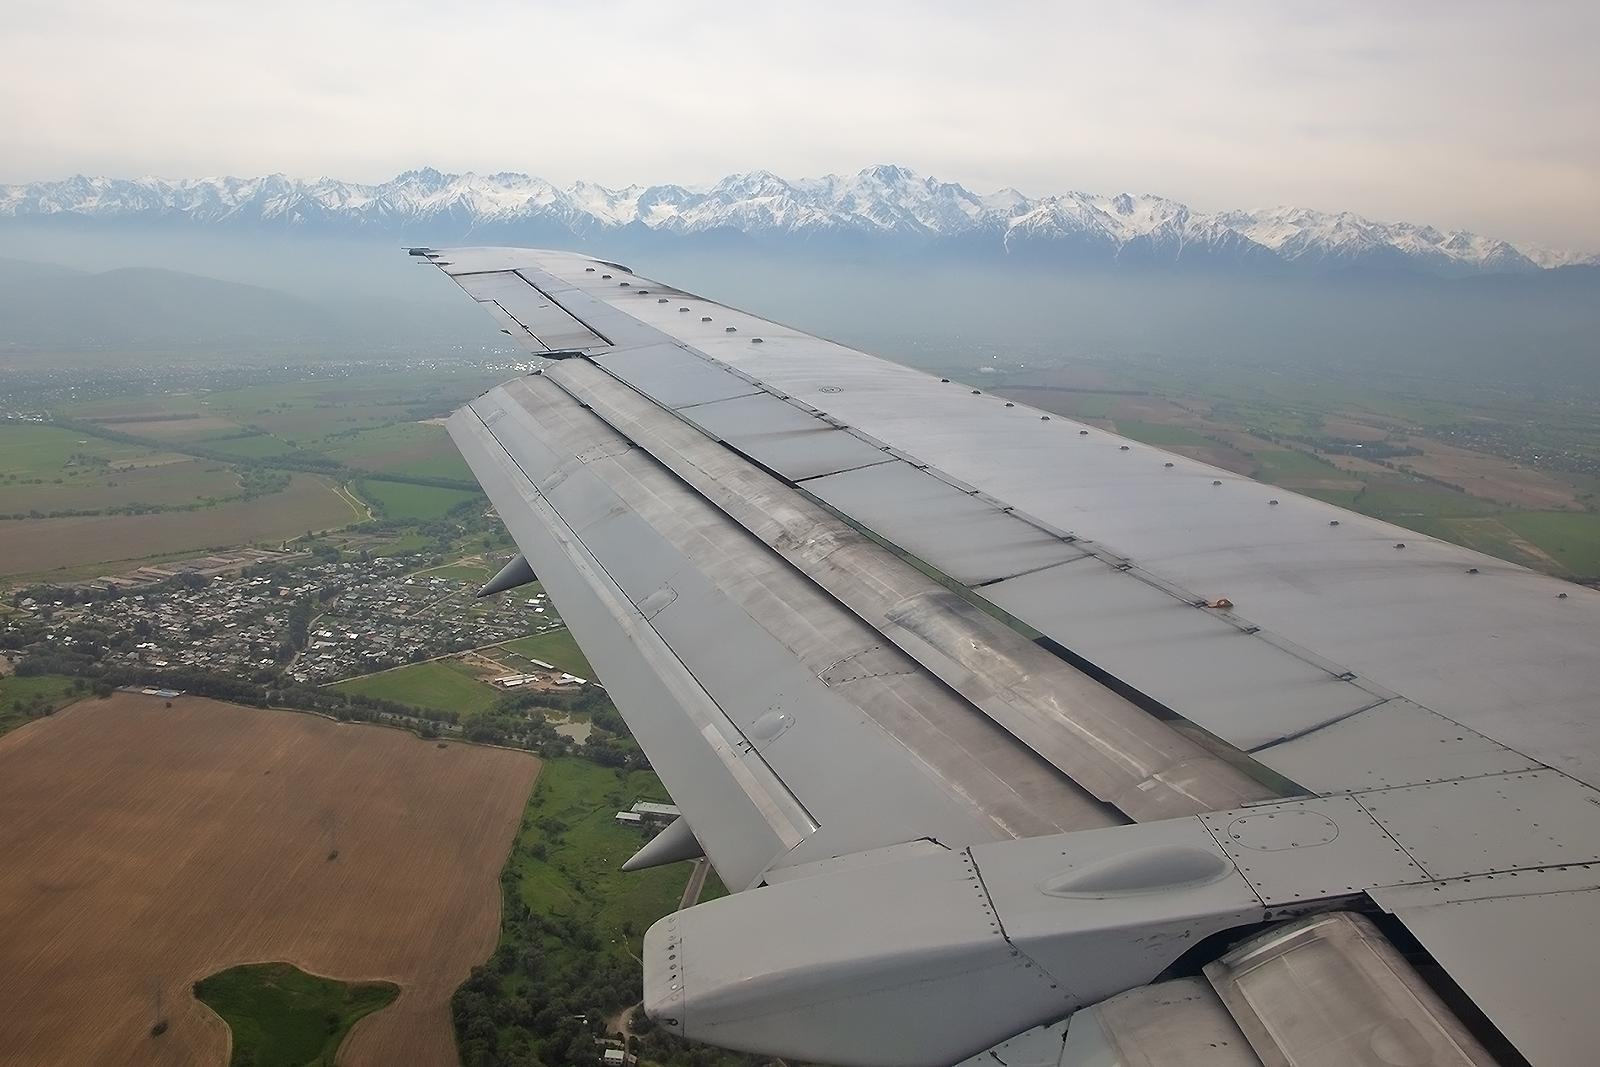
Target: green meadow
(441, 684)
(24, 699)
(402, 501)
(282, 1017)
(557, 647)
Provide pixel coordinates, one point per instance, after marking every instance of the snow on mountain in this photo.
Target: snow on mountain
(1550, 258)
(884, 203)
(1303, 235)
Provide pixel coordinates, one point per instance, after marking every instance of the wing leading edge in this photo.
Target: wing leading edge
(816, 584)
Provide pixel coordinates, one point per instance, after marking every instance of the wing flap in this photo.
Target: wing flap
(1116, 751)
(735, 801)
(880, 756)
(1522, 948)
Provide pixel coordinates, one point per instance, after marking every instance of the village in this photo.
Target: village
(254, 611)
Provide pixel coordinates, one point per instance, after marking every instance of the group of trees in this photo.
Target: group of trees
(524, 715)
(544, 997)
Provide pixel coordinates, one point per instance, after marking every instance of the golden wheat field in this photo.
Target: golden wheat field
(143, 847)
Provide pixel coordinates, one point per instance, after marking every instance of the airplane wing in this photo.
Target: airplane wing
(1021, 741)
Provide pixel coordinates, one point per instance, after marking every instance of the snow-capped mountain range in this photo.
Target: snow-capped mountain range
(886, 205)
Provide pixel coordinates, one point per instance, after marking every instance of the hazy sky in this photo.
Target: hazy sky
(1471, 114)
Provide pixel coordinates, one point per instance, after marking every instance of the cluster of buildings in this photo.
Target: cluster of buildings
(379, 621)
(648, 815)
(355, 617)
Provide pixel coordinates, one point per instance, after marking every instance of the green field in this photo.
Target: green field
(256, 446)
(79, 474)
(445, 465)
(38, 450)
(282, 1017)
(1072, 403)
(407, 543)
(441, 683)
(573, 926)
(558, 647)
(183, 481)
(24, 699)
(391, 447)
(149, 403)
(401, 501)
(1287, 465)
(322, 412)
(580, 874)
(1160, 434)
(1573, 538)
(464, 572)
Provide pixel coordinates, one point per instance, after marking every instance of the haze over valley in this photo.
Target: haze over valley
(901, 264)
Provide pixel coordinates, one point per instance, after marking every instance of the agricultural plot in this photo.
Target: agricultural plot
(308, 411)
(463, 570)
(440, 464)
(131, 406)
(580, 873)
(39, 450)
(254, 446)
(573, 927)
(1288, 467)
(187, 427)
(402, 501)
(443, 684)
(282, 1017)
(22, 700)
(1163, 435)
(382, 447)
(557, 647)
(149, 847)
(158, 480)
(1573, 539)
(38, 545)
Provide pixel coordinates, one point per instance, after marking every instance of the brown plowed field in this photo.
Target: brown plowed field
(144, 847)
(31, 545)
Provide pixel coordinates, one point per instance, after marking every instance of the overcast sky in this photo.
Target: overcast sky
(1464, 114)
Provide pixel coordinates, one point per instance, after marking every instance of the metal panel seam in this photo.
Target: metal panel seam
(1397, 843)
(1224, 849)
(575, 316)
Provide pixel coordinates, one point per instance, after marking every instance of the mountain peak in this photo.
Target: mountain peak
(884, 202)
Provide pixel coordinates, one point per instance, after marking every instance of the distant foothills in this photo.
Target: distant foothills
(883, 208)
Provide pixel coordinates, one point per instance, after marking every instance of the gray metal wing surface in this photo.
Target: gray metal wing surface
(996, 718)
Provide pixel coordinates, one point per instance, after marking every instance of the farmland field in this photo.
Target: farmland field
(23, 699)
(442, 684)
(402, 501)
(282, 1017)
(157, 480)
(39, 449)
(1573, 539)
(558, 647)
(30, 546)
(149, 847)
(420, 448)
(254, 446)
